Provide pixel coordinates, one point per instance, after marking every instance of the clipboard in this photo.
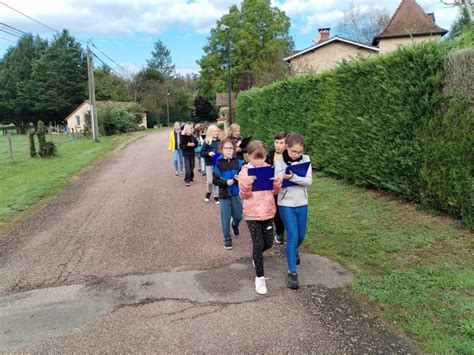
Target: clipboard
(264, 180)
(297, 169)
(245, 142)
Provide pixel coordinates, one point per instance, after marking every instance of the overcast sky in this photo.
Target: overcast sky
(125, 30)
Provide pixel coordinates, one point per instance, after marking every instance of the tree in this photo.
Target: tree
(18, 91)
(161, 60)
(362, 26)
(109, 86)
(259, 39)
(462, 22)
(61, 78)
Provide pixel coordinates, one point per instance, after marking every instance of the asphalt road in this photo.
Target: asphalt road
(128, 259)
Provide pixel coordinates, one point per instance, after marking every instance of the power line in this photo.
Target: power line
(11, 33)
(31, 18)
(13, 28)
(93, 45)
(6, 39)
(108, 66)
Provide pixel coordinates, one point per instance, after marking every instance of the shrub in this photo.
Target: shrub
(46, 149)
(31, 141)
(382, 122)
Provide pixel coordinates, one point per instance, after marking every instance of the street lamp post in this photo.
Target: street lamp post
(229, 82)
(167, 108)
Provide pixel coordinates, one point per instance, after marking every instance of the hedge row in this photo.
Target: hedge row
(382, 122)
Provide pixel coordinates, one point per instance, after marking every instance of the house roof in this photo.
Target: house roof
(101, 103)
(329, 41)
(410, 20)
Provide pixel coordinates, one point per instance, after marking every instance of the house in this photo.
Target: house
(409, 24)
(327, 53)
(76, 120)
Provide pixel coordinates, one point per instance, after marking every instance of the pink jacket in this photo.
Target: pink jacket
(259, 205)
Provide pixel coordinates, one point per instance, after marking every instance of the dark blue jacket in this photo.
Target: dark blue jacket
(207, 148)
(224, 170)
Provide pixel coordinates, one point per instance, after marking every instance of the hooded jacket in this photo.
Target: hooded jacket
(224, 170)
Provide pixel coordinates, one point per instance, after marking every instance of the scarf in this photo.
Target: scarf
(287, 159)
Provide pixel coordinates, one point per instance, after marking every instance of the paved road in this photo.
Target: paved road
(127, 259)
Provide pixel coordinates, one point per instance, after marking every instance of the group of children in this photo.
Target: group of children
(267, 213)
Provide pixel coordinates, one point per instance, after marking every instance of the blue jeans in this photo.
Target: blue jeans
(230, 207)
(295, 220)
(178, 157)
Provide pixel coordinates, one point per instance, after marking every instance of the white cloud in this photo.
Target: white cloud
(121, 17)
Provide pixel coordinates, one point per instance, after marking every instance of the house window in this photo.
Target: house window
(78, 121)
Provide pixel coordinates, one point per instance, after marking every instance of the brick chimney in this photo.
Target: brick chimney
(324, 32)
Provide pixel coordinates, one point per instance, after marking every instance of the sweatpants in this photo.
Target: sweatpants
(210, 186)
(230, 207)
(262, 239)
(189, 161)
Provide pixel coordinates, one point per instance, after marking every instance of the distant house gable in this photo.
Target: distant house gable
(327, 42)
(410, 20)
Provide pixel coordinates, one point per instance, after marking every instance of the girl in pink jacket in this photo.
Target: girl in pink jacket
(258, 210)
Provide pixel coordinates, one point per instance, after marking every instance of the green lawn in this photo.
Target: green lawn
(418, 269)
(25, 181)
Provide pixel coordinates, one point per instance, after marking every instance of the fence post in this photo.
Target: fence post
(10, 147)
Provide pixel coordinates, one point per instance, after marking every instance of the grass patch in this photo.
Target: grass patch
(25, 181)
(417, 268)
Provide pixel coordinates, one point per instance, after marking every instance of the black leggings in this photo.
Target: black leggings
(189, 161)
(262, 239)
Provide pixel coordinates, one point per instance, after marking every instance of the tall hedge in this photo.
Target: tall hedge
(382, 122)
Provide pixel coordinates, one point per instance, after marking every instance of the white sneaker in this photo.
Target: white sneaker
(260, 286)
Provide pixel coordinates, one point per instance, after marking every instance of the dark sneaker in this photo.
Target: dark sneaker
(297, 258)
(208, 197)
(228, 245)
(292, 280)
(235, 231)
(216, 201)
(279, 239)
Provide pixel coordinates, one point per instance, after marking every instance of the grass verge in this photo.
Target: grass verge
(417, 268)
(26, 181)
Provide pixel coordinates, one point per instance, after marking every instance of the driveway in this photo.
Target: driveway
(128, 259)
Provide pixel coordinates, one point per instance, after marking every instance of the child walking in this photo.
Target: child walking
(173, 146)
(225, 176)
(187, 145)
(258, 209)
(234, 135)
(293, 202)
(274, 154)
(208, 152)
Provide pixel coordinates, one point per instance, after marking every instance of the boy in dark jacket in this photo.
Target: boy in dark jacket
(273, 155)
(224, 175)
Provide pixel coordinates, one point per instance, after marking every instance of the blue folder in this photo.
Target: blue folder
(264, 180)
(298, 169)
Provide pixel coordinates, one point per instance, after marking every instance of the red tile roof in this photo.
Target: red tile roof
(410, 20)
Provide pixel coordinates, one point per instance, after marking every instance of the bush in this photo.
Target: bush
(115, 118)
(382, 122)
(46, 149)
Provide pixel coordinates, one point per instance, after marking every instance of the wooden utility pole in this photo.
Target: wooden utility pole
(167, 107)
(90, 76)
